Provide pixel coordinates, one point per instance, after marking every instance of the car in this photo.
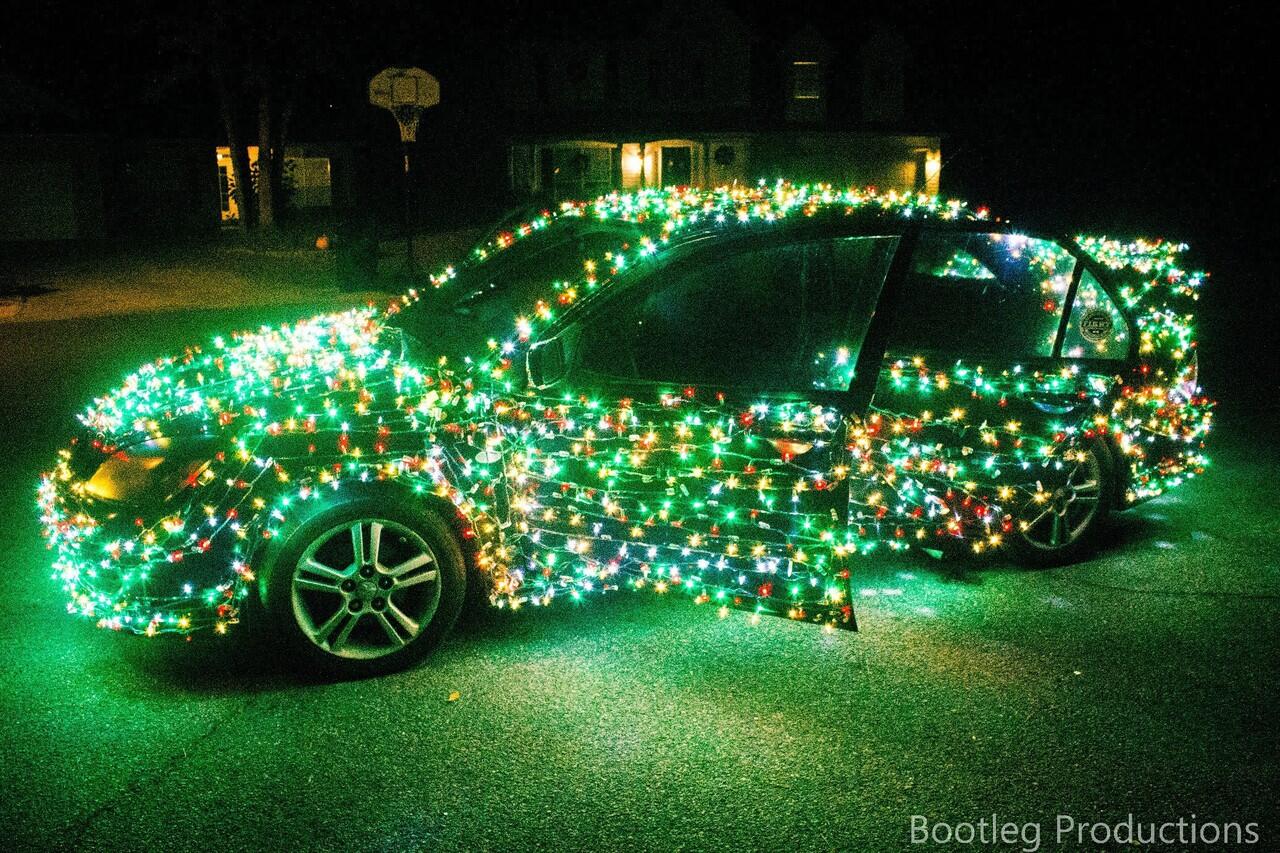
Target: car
(739, 395)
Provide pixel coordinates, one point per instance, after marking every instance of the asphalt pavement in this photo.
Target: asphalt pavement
(1142, 681)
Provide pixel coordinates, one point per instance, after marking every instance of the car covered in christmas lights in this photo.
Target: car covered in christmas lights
(737, 394)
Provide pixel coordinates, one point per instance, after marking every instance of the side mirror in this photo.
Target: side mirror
(545, 362)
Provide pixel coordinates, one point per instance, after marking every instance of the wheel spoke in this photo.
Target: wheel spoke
(1039, 518)
(1084, 508)
(409, 565)
(390, 629)
(414, 580)
(315, 567)
(357, 542)
(314, 585)
(1055, 535)
(375, 540)
(322, 633)
(345, 633)
(410, 626)
(1089, 488)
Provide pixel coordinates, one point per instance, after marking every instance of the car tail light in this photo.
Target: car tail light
(1189, 384)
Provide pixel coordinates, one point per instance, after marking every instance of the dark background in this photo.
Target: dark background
(1126, 119)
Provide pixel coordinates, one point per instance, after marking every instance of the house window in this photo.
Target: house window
(612, 75)
(576, 171)
(541, 79)
(695, 82)
(659, 81)
(224, 192)
(310, 181)
(229, 202)
(806, 80)
(578, 82)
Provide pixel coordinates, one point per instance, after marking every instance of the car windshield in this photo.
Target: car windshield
(482, 302)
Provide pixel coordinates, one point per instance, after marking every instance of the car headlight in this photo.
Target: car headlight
(151, 471)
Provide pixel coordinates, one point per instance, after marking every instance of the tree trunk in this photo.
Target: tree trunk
(241, 179)
(266, 156)
(281, 134)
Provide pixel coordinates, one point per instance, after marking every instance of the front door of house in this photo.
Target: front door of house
(677, 165)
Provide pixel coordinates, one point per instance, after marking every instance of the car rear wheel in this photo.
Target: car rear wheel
(367, 587)
(1062, 522)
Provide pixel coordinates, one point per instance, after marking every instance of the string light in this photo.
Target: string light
(567, 495)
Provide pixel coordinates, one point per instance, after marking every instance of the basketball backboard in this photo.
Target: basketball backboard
(404, 87)
(406, 92)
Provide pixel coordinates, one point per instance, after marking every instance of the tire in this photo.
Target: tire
(356, 613)
(1068, 525)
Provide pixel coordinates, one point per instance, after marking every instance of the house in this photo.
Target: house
(80, 186)
(692, 96)
(574, 167)
(680, 93)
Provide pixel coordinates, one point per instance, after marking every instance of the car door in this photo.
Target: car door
(970, 405)
(696, 439)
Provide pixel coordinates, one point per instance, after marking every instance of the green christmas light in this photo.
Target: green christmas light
(568, 494)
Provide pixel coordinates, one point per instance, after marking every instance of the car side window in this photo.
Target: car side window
(783, 317)
(508, 284)
(844, 279)
(975, 295)
(1097, 328)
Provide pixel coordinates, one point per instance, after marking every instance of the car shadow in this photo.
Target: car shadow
(250, 660)
(243, 661)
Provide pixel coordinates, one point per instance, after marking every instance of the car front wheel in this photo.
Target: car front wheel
(367, 587)
(1062, 521)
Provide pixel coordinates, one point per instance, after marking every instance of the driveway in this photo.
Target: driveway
(1142, 681)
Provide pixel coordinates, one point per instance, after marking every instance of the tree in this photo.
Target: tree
(259, 59)
(241, 180)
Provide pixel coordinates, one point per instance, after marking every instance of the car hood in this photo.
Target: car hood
(210, 388)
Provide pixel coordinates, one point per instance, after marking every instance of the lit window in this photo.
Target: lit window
(806, 81)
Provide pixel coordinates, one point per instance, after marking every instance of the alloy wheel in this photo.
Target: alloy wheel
(365, 588)
(1061, 516)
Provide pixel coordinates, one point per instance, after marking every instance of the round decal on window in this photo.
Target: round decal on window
(1096, 325)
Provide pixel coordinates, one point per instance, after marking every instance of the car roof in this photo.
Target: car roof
(675, 216)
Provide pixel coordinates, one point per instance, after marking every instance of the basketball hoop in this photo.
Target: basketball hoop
(406, 92)
(407, 116)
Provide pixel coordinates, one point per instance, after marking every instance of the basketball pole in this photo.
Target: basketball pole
(410, 264)
(405, 92)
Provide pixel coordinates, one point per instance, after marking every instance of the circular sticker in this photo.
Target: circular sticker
(1096, 325)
